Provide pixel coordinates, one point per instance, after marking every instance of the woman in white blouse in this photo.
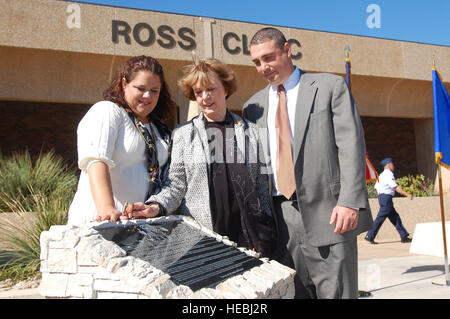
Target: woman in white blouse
(123, 144)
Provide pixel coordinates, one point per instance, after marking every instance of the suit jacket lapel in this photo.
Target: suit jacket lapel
(262, 125)
(305, 99)
(200, 127)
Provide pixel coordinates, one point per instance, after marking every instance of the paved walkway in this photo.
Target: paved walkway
(386, 270)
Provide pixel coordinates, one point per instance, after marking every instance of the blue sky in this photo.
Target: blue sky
(425, 21)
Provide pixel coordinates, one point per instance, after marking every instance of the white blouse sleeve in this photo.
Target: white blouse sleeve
(97, 133)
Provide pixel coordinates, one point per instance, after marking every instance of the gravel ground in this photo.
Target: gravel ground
(8, 284)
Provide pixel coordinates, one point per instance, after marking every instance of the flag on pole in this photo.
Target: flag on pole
(441, 146)
(371, 173)
(348, 67)
(347, 71)
(441, 121)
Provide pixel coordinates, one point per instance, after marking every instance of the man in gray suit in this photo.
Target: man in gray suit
(319, 219)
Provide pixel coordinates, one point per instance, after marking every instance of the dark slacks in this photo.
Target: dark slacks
(321, 272)
(387, 210)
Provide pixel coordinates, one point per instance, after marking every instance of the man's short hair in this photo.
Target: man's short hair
(267, 34)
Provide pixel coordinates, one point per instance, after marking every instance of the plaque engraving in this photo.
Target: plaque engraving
(190, 257)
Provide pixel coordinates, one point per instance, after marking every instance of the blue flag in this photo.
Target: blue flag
(441, 121)
(347, 73)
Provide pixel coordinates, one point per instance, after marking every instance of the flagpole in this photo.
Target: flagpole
(441, 199)
(347, 66)
(361, 293)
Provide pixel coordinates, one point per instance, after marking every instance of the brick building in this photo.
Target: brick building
(56, 58)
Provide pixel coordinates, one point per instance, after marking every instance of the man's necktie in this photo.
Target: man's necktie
(285, 169)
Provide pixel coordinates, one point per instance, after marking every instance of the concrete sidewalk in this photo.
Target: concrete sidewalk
(32, 293)
(387, 270)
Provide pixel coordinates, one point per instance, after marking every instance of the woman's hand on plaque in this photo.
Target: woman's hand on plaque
(109, 213)
(141, 210)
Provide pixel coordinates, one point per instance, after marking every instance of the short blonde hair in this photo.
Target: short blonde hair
(198, 73)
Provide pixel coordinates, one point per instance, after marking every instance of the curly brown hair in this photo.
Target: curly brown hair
(198, 72)
(165, 107)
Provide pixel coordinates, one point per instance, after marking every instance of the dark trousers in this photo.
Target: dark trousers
(321, 272)
(387, 210)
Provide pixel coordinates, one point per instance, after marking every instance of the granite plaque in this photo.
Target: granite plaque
(190, 257)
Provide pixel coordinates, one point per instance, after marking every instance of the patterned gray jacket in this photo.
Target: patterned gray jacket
(187, 187)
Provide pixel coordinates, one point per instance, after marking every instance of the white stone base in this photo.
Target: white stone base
(428, 240)
(77, 262)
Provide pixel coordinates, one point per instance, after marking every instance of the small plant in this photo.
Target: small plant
(418, 186)
(371, 191)
(19, 173)
(36, 201)
(22, 232)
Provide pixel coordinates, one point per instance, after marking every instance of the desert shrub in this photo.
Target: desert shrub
(371, 191)
(19, 173)
(38, 195)
(418, 185)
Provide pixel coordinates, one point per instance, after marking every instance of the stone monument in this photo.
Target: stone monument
(166, 257)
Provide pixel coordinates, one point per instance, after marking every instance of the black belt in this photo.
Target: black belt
(281, 197)
(293, 199)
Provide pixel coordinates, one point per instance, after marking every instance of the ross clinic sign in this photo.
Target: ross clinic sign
(167, 37)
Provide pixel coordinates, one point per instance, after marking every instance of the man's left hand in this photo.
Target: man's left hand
(345, 218)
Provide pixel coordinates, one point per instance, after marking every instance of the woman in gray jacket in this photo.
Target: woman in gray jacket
(215, 175)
